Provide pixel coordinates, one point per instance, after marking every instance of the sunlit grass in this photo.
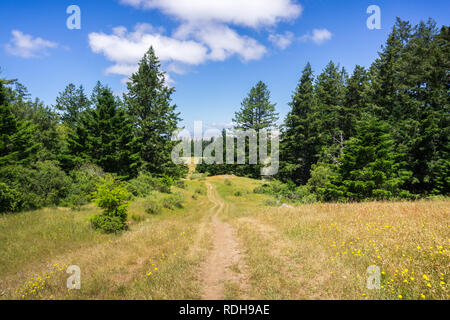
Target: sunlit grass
(323, 251)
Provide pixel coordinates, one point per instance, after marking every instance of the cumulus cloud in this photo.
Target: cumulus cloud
(191, 45)
(250, 13)
(25, 46)
(205, 33)
(222, 41)
(318, 36)
(282, 41)
(125, 48)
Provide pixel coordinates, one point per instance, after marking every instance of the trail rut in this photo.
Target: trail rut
(225, 264)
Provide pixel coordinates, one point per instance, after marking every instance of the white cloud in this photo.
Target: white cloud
(251, 13)
(318, 36)
(126, 49)
(25, 46)
(222, 41)
(191, 45)
(282, 41)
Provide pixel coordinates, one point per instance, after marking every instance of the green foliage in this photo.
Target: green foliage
(238, 194)
(228, 183)
(113, 198)
(43, 184)
(104, 136)
(71, 103)
(155, 120)
(199, 191)
(8, 198)
(257, 112)
(16, 137)
(108, 224)
(298, 141)
(145, 183)
(84, 183)
(153, 206)
(173, 201)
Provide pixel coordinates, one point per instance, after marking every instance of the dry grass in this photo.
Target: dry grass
(305, 252)
(323, 251)
(156, 259)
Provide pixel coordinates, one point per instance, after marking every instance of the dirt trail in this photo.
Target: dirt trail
(225, 262)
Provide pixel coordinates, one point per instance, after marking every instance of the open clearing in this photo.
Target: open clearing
(222, 246)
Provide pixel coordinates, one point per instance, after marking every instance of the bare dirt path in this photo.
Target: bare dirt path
(225, 265)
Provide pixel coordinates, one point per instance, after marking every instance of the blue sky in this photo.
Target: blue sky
(214, 50)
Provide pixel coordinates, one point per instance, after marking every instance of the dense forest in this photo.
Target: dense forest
(380, 133)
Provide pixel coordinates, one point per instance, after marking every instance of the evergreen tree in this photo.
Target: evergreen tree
(149, 102)
(327, 121)
(356, 100)
(298, 152)
(257, 112)
(16, 137)
(369, 167)
(105, 137)
(71, 103)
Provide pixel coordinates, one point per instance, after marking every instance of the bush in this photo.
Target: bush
(303, 195)
(181, 184)
(199, 191)
(44, 184)
(145, 183)
(84, 182)
(113, 198)
(173, 201)
(194, 196)
(108, 224)
(238, 194)
(8, 198)
(152, 207)
(228, 183)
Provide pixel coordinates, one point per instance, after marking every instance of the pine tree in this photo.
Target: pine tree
(149, 102)
(71, 103)
(369, 167)
(105, 137)
(257, 112)
(327, 121)
(356, 100)
(297, 148)
(16, 137)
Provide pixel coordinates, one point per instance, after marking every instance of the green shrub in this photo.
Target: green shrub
(84, 183)
(44, 184)
(238, 194)
(152, 206)
(173, 201)
(8, 198)
(145, 183)
(194, 196)
(199, 191)
(228, 183)
(113, 198)
(181, 184)
(108, 224)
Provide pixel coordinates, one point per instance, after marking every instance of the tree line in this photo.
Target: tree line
(53, 156)
(380, 133)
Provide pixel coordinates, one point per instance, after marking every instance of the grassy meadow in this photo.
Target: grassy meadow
(319, 251)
